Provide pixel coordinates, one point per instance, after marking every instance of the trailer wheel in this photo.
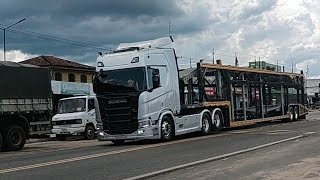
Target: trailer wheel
(206, 124)
(118, 142)
(217, 121)
(89, 132)
(15, 138)
(166, 129)
(291, 114)
(296, 113)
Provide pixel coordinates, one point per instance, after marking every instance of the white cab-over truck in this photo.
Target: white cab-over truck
(143, 95)
(76, 116)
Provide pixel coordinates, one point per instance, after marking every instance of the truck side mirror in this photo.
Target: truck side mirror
(155, 78)
(91, 104)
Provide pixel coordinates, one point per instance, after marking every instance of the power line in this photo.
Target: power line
(55, 38)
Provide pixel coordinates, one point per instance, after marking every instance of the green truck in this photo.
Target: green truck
(25, 103)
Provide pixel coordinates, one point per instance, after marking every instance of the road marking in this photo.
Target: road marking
(167, 170)
(50, 163)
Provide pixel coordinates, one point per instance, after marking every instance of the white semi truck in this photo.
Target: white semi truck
(76, 116)
(143, 95)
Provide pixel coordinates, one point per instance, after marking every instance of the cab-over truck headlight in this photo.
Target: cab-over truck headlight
(145, 123)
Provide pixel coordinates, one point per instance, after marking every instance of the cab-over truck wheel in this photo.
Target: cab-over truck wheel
(14, 138)
(217, 120)
(167, 128)
(89, 132)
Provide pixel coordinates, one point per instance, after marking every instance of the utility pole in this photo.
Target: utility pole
(190, 62)
(4, 36)
(292, 66)
(307, 76)
(213, 56)
(259, 63)
(255, 62)
(277, 65)
(169, 27)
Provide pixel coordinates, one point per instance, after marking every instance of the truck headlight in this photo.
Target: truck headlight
(143, 124)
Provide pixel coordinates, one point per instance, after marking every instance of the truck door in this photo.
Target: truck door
(92, 112)
(160, 92)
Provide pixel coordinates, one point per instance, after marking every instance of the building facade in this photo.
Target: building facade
(264, 65)
(68, 78)
(64, 70)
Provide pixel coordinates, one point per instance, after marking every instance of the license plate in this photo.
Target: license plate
(120, 137)
(64, 130)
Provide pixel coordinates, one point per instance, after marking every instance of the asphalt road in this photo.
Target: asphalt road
(265, 151)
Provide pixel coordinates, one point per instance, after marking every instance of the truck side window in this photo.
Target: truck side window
(153, 78)
(91, 104)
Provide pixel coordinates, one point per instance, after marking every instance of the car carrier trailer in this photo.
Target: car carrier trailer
(143, 95)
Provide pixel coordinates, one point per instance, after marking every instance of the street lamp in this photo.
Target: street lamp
(4, 36)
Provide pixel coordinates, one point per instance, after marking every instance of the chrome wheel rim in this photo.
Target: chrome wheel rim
(296, 114)
(166, 129)
(217, 120)
(205, 124)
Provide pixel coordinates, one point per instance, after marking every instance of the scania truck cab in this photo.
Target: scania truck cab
(142, 94)
(76, 116)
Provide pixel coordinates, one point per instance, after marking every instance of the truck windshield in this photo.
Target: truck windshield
(122, 80)
(72, 105)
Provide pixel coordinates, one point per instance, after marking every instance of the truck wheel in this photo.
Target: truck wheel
(217, 121)
(118, 142)
(296, 113)
(206, 124)
(61, 137)
(15, 138)
(291, 114)
(166, 129)
(89, 132)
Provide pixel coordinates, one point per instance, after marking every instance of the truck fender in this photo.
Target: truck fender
(25, 120)
(201, 115)
(165, 113)
(213, 112)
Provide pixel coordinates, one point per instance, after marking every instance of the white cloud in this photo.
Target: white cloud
(16, 55)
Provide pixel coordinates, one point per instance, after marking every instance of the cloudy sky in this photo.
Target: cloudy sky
(280, 31)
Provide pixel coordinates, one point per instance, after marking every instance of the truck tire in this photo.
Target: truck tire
(118, 142)
(291, 114)
(15, 138)
(217, 121)
(296, 113)
(167, 130)
(206, 124)
(89, 132)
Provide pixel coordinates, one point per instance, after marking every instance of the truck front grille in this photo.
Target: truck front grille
(119, 114)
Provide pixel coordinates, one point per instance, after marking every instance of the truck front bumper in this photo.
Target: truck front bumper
(69, 130)
(140, 134)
